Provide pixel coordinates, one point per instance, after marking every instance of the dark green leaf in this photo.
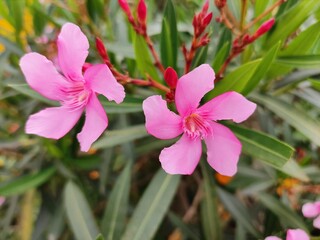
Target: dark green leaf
(200, 57)
(169, 37)
(221, 56)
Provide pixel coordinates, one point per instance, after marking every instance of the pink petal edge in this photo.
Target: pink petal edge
(100, 79)
(96, 122)
(160, 121)
(311, 210)
(191, 88)
(182, 157)
(229, 105)
(223, 150)
(73, 48)
(297, 234)
(52, 122)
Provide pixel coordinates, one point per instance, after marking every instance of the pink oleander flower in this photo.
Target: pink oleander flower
(75, 91)
(292, 234)
(196, 123)
(312, 210)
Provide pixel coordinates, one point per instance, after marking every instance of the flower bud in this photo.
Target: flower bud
(220, 3)
(142, 11)
(205, 7)
(125, 6)
(265, 27)
(207, 20)
(171, 77)
(101, 49)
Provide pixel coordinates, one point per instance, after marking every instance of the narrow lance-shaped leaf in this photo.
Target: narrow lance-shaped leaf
(303, 61)
(78, 213)
(26, 182)
(113, 221)
(169, 37)
(295, 117)
(152, 207)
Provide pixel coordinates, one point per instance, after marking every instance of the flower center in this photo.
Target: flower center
(76, 96)
(196, 126)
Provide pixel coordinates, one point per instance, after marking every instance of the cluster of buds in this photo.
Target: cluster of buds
(240, 43)
(201, 21)
(138, 24)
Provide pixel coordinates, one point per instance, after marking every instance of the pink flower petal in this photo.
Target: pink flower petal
(230, 105)
(42, 76)
(311, 210)
(52, 122)
(160, 121)
(223, 150)
(96, 122)
(297, 234)
(100, 79)
(316, 222)
(192, 87)
(73, 48)
(272, 238)
(182, 157)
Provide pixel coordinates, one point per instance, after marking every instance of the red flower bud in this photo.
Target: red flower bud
(101, 49)
(265, 27)
(142, 11)
(220, 3)
(171, 77)
(205, 7)
(125, 6)
(207, 20)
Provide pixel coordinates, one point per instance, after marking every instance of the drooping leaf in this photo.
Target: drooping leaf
(152, 207)
(113, 221)
(169, 37)
(78, 212)
(26, 182)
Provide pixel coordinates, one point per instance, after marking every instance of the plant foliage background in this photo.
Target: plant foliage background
(118, 189)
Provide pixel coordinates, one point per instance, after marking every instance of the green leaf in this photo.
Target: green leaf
(116, 137)
(152, 207)
(302, 61)
(100, 237)
(262, 146)
(11, 46)
(238, 211)
(260, 6)
(292, 169)
(169, 37)
(304, 42)
(26, 90)
(26, 182)
(114, 218)
(209, 207)
(287, 216)
(78, 213)
(16, 11)
(221, 56)
(261, 70)
(200, 57)
(186, 230)
(295, 117)
(236, 80)
(143, 58)
(291, 20)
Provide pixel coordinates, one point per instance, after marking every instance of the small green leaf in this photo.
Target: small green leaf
(116, 137)
(287, 216)
(263, 147)
(25, 182)
(200, 57)
(209, 207)
(295, 117)
(113, 221)
(100, 237)
(302, 61)
(78, 213)
(238, 211)
(261, 70)
(143, 58)
(152, 207)
(236, 80)
(169, 37)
